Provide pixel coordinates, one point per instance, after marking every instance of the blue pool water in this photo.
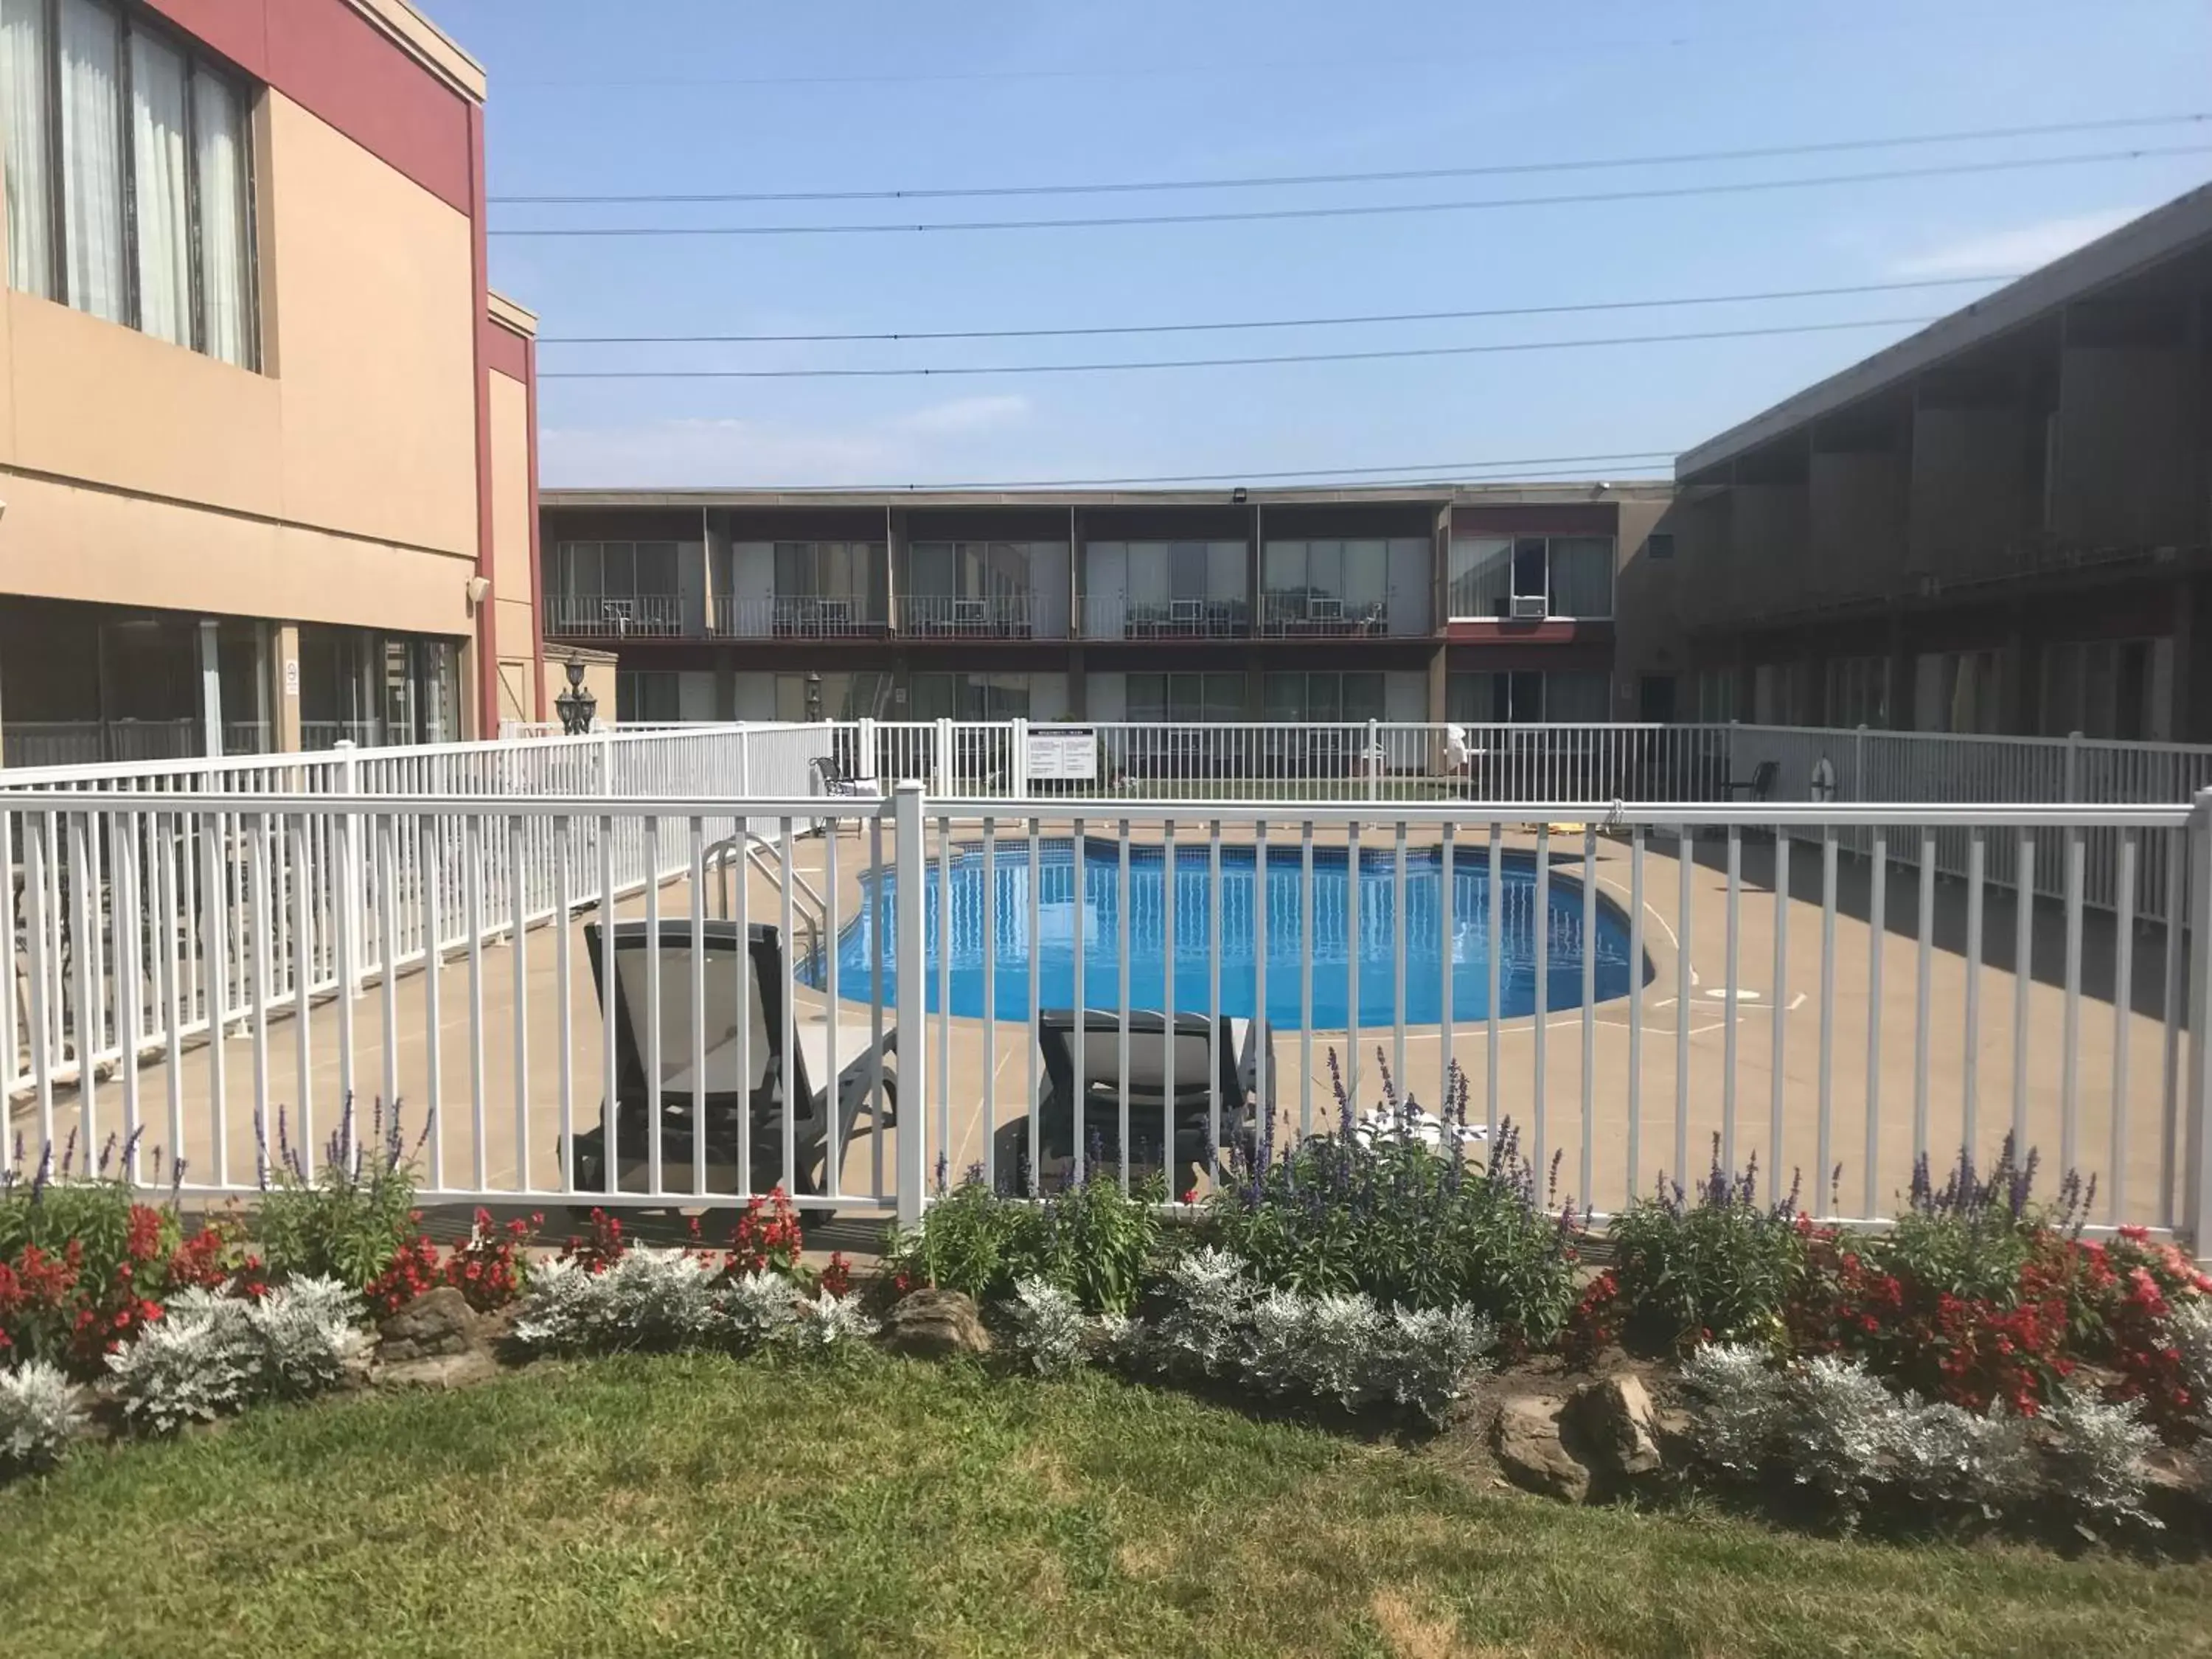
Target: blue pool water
(998, 904)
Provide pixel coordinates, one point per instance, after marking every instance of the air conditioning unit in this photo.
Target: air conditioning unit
(1530, 607)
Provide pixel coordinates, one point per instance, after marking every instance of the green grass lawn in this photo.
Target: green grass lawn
(700, 1506)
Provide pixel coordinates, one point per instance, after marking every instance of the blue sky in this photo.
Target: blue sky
(701, 95)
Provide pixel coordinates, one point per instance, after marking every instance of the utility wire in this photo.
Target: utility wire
(1253, 215)
(1442, 474)
(1433, 469)
(1265, 323)
(1401, 176)
(1222, 362)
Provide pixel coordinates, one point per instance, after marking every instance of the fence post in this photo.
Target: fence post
(943, 771)
(910, 868)
(606, 764)
(1017, 767)
(2073, 767)
(354, 897)
(1858, 764)
(864, 763)
(1374, 760)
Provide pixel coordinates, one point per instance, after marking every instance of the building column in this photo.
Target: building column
(284, 738)
(210, 687)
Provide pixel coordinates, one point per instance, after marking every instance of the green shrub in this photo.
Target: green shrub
(1089, 1239)
(1376, 1208)
(350, 1218)
(1722, 1269)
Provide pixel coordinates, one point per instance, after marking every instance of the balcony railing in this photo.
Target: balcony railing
(1310, 614)
(614, 616)
(992, 616)
(804, 616)
(1115, 616)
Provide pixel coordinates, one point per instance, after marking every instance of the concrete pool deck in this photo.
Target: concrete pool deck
(981, 1080)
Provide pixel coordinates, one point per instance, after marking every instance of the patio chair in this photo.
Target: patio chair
(721, 1101)
(1246, 1080)
(1760, 786)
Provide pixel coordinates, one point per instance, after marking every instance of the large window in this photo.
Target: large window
(2115, 688)
(1956, 691)
(1321, 583)
(848, 571)
(1575, 695)
(1321, 697)
(967, 696)
(1716, 694)
(129, 176)
(1858, 691)
(1492, 577)
(647, 696)
(1186, 699)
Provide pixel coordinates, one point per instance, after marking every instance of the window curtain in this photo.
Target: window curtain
(1481, 576)
(29, 124)
(226, 239)
(1366, 576)
(92, 158)
(1470, 699)
(1575, 697)
(1582, 576)
(159, 161)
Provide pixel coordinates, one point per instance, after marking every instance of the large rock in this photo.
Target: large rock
(435, 1342)
(438, 1322)
(1615, 1427)
(1525, 1438)
(932, 1324)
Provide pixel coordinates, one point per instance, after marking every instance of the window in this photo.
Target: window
(647, 696)
(969, 697)
(844, 697)
(1298, 698)
(1572, 575)
(1565, 695)
(128, 182)
(1956, 691)
(830, 570)
(1716, 694)
(1186, 699)
(1858, 691)
(614, 570)
(1354, 576)
(2115, 688)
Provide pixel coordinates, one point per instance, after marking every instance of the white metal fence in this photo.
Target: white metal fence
(1623, 990)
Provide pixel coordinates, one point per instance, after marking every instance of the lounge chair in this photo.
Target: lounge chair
(1246, 1082)
(726, 1103)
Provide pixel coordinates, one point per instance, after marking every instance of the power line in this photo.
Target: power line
(1266, 323)
(1401, 176)
(1438, 473)
(1253, 215)
(1222, 362)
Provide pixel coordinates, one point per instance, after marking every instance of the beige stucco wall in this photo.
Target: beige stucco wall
(516, 619)
(338, 485)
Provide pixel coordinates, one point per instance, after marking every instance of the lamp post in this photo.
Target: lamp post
(576, 706)
(814, 694)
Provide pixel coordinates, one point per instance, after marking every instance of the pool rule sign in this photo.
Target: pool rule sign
(1063, 755)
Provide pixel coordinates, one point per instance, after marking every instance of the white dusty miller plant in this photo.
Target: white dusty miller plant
(760, 1308)
(2096, 1451)
(830, 1322)
(1045, 1328)
(1839, 1431)
(1342, 1349)
(2191, 1329)
(211, 1354)
(40, 1412)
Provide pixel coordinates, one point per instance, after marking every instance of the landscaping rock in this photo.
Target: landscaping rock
(438, 1322)
(936, 1325)
(1526, 1441)
(1615, 1427)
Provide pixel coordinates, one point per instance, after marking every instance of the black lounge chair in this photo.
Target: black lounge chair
(727, 1104)
(1246, 1080)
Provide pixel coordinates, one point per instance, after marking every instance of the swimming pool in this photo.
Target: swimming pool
(999, 907)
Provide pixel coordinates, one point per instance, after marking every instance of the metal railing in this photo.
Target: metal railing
(1629, 990)
(1117, 617)
(592, 615)
(995, 616)
(806, 618)
(1322, 616)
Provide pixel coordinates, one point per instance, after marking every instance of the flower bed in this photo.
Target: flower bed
(1982, 1358)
